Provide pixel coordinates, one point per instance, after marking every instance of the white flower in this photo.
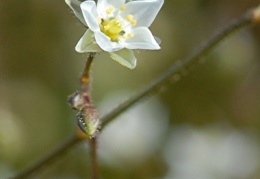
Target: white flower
(117, 27)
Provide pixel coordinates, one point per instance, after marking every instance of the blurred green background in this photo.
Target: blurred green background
(205, 126)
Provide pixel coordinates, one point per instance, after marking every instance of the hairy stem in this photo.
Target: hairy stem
(247, 19)
(85, 83)
(85, 77)
(94, 159)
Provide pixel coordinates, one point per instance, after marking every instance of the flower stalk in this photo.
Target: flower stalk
(247, 19)
(87, 116)
(94, 159)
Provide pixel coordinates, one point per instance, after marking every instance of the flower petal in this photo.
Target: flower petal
(158, 40)
(142, 39)
(87, 43)
(143, 11)
(104, 42)
(102, 6)
(125, 57)
(89, 11)
(75, 6)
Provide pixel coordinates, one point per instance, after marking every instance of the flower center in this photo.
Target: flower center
(115, 28)
(112, 28)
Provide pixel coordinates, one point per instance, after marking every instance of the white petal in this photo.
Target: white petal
(75, 6)
(143, 11)
(104, 42)
(125, 57)
(142, 39)
(158, 40)
(87, 43)
(89, 11)
(102, 6)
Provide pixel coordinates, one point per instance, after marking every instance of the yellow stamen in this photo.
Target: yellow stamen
(122, 8)
(129, 17)
(110, 10)
(130, 35)
(112, 28)
(106, 27)
(133, 22)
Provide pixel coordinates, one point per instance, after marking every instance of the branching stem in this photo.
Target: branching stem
(248, 18)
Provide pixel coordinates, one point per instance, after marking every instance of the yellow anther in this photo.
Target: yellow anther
(110, 10)
(106, 27)
(130, 35)
(129, 17)
(133, 22)
(122, 8)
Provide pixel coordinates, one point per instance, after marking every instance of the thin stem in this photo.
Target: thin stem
(59, 151)
(94, 160)
(175, 69)
(85, 81)
(85, 77)
(180, 66)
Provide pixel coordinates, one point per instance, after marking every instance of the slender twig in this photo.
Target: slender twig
(94, 160)
(53, 155)
(79, 136)
(180, 66)
(85, 77)
(247, 19)
(85, 84)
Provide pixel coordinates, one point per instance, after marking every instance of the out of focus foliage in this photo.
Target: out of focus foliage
(205, 126)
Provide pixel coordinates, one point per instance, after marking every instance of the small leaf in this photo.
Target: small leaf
(125, 57)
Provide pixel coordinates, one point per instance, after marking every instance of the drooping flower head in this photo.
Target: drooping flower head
(117, 27)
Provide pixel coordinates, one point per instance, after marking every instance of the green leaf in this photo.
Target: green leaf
(125, 57)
